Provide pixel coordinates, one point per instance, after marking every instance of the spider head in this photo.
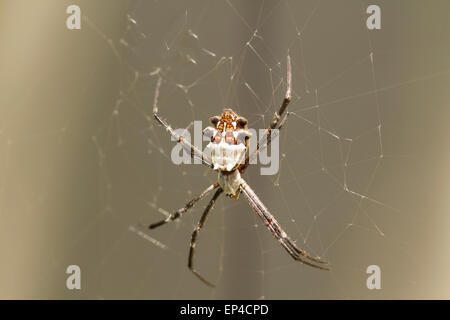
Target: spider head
(229, 121)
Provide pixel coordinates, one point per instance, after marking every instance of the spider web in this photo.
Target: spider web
(342, 153)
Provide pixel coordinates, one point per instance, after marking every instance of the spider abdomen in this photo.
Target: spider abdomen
(226, 157)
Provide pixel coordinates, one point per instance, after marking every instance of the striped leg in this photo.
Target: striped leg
(274, 227)
(183, 210)
(195, 234)
(206, 160)
(277, 120)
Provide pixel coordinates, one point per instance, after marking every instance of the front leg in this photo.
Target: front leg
(206, 160)
(278, 121)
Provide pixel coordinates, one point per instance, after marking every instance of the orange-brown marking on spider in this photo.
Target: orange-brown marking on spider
(217, 138)
(229, 138)
(226, 120)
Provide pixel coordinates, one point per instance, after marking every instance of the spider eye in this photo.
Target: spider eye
(241, 122)
(214, 120)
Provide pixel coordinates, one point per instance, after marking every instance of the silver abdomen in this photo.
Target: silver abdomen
(226, 157)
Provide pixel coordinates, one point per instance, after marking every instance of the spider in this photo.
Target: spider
(229, 147)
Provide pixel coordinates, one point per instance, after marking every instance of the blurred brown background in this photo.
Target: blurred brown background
(81, 160)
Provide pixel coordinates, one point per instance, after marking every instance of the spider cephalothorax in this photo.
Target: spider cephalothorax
(228, 146)
(229, 128)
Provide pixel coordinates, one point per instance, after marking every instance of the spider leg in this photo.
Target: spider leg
(206, 160)
(274, 227)
(195, 234)
(177, 214)
(287, 97)
(265, 141)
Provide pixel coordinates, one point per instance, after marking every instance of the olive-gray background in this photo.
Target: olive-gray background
(81, 160)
